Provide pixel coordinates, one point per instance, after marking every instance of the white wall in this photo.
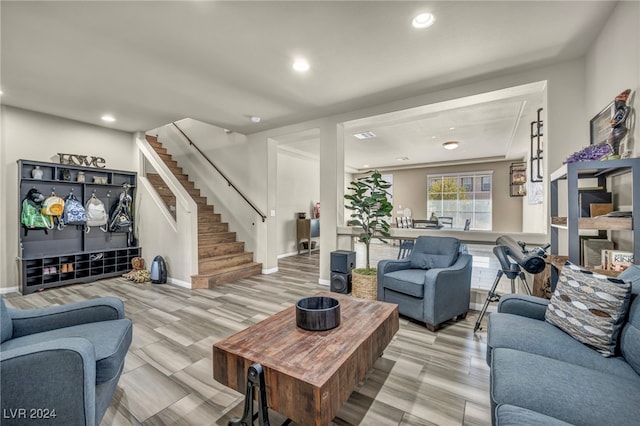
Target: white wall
(298, 187)
(613, 64)
(34, 136)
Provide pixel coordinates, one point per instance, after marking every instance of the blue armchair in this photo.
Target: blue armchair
(432, 285)
(61, 364)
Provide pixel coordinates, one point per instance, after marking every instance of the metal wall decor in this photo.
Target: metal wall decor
(537, 131)
(82, 160)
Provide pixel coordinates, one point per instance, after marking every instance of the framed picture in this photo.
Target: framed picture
(601, 124)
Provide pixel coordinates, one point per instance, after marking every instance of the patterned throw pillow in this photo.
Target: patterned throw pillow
(589, 307)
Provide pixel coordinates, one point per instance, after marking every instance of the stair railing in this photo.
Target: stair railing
(244, 197)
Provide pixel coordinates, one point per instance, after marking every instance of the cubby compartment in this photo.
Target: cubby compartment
(33, 281)
(70, 255)
(123, 263)
(109, 262)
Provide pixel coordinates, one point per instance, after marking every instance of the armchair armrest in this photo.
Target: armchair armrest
(29, 321)
(49, 381)
(386, 266)
(523, 305)
(456, 273)
(449, 289)
(391, 265)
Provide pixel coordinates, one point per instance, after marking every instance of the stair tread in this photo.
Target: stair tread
(212, 233)
(227, 243)
(230, 269)
(216, 263)
(228, 256)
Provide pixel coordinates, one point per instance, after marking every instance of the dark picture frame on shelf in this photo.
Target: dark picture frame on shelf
(600, 125)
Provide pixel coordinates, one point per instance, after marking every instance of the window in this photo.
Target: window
(461, 196)
(486, 183)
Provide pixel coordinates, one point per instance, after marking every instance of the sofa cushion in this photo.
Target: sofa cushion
(630, 335)
(110, 339)
(590, 307)
(407, 281)
(542, 338)
(434, 252)
(565, 391)
(510, 415)
(6, 328)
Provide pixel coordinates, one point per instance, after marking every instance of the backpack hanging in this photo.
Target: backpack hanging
(96, 214)
(120, 216)
(32, 217)
(53, 205)
(74, 212)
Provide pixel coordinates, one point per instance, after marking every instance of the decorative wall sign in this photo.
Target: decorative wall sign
(82, 160)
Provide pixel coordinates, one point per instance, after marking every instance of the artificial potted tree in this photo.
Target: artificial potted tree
(371, 210)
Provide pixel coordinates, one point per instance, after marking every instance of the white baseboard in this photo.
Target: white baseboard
(295, 253)
(179, 283)
(324, 282)
(269, 271)
(6, 290)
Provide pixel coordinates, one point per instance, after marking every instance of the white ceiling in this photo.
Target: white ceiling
(152, 62)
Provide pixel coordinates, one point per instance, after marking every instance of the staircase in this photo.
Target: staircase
(221, 259)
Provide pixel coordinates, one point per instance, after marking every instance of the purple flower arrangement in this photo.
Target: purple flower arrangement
(590, 153)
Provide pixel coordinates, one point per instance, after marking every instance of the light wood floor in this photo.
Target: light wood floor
(423, 378)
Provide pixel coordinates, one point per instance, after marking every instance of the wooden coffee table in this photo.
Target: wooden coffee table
(309, 374)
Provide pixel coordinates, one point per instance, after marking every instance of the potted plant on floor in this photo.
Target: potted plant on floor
(371, 210)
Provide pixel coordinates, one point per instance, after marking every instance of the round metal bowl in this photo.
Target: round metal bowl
(318, 313)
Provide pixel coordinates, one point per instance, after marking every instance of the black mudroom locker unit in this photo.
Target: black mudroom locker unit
(72, 255)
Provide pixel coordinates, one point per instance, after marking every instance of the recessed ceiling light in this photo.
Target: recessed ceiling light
(450, 145)
(365, 165)
(255, 119)
(433, 137)
(301, 65)
(452, 128)
(364, 135)
(0, 92)
(108, 118)
(423, 20)
(402, 158)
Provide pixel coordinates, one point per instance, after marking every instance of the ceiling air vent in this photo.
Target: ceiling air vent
(364, 135)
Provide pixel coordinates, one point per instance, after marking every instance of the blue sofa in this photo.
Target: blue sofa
(61, 364)
(432, 285)
(542, 376)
